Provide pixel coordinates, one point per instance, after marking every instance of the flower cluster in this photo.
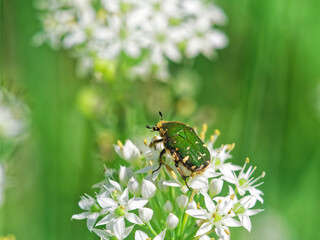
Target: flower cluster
(147, 204)
(12, 116)
(101, 33)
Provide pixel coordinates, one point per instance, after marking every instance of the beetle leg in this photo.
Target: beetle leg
(154, 142)
(160, 160)
(182, 175)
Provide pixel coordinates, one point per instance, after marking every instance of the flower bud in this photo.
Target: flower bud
(145, 214)
(192, 205)
(133, 186)
(182, 201)
(172, 221)
(148, 189)
(161, 186)
(168, 206)
(215, 187)
(124, 175)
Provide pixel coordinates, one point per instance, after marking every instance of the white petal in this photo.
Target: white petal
(127, 231)
(136, 203)
(91, 220)
(215, 187)
(197, 213)
(172, 221)
(124, 196)
(131, 217)
(139, 235)
(133, 186)
(182, 201)
(105, 202)
(107, 219)
(205, 237)
(148, 189)
(145, 214)
(80, 215)
(118, 228)
(101, 233)
(116, 185)
(251, 212)
(245, 220)
(161, 235)
(171, 183)
(168, 207)
(230, 222)
(209, 203)
(124, 175)
(206, 227)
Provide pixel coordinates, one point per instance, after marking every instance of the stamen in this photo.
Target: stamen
(145, 142)
(172, 173)
(227, 232)
(232, 196)
(119, 143)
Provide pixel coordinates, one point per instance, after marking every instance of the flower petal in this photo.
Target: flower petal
(135, 203)
(161, 235)
(131, 217)
(209, 203)
(197, 213)
(139, 235)
(206, 227)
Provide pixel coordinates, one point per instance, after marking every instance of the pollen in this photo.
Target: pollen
(217, 132)
(172, 173)
(186, 159)
(198, 205)
(119, 143)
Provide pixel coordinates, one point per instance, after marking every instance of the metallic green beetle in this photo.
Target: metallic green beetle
(190, 154)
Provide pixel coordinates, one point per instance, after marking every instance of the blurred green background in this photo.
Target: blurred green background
(263, 93)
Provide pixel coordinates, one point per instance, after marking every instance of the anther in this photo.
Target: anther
(119, 143)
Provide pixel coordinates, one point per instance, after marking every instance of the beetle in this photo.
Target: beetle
(190, 155)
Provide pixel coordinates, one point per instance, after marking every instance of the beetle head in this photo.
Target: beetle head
(157, 126)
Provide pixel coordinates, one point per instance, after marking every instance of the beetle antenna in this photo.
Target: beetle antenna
(160, 115)
(148, 127)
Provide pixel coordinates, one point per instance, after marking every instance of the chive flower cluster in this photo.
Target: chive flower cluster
(136, 202)
(149, 32)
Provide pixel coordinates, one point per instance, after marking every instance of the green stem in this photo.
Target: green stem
(185, 218)
(151, 229)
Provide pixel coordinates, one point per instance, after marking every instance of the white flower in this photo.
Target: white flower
(128, 151)
(133, 186)
(92, 211)
(120, 209)
(242, 209)
(145, 214)
(124, 175)
(215, 187)
(139, 235)
(197, 183)
(172, 221)
(12, 116)
(219, 156)
(117, 230)
(244, 182)
(161, 30)
(182, 201)
(168, 206)
(148, 189)
(217, 215)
